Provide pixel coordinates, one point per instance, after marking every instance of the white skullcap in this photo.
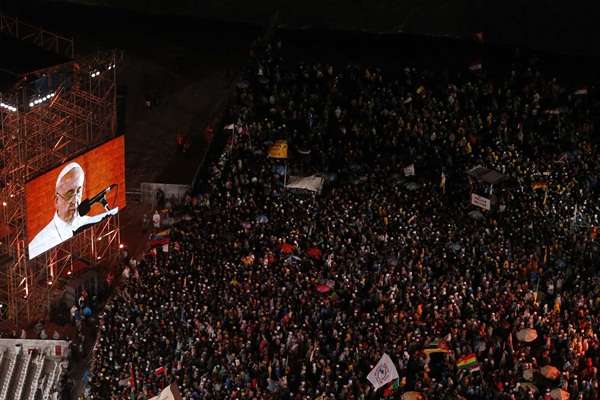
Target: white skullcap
(67, 168)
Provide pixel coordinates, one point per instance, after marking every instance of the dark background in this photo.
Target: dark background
(566, 27)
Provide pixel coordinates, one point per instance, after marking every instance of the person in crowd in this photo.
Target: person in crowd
(66, 220)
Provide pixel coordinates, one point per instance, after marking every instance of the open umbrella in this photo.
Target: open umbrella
(413, 396)
(286, 248)
(550, 372)
(528, 374)
(475, 214)
(323, 288)
(527, 335)
(559, 394)
(528, 386)
(314, 252)
(248, 260)
(262, 219)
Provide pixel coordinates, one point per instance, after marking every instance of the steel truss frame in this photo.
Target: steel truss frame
(33, 140)
(37, 36)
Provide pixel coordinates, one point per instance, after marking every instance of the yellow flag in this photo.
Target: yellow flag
(279, 149)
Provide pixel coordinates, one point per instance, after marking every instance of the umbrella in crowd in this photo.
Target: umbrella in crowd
(550, 372)
(323, 288)
(412, 396)
(314, 252)
(528, 386)
(527, 335)
(559, 394)
(528, 374)
(287, 248)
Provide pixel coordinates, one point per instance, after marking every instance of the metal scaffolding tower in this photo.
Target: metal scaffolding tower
(42, 126)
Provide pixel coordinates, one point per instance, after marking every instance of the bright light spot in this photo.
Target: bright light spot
(4, 203)
(121, 245)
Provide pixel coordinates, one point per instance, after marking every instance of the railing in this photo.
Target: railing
(23, 375)
(50, 383)
(37, 36)
(39, 363)
(8, 377)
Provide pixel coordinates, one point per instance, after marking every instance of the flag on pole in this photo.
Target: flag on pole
(468, 362)
(383, 373)
(131, 377)
(279, 149)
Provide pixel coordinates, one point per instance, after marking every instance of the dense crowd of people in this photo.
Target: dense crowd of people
(268, 293)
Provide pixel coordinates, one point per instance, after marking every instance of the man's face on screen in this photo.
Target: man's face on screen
(68, 194)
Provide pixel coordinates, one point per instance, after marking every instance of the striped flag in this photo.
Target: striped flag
(468, 362)
(437, 346)
(581, 91)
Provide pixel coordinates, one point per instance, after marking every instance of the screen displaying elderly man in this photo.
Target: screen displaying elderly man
(66, 220)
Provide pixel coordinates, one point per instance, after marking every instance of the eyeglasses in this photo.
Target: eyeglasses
(70, 195)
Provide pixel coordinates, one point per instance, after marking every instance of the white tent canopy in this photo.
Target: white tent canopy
(313, 183)
(169, 393)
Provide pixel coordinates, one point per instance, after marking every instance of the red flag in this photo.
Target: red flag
(159, 371)
(131, 377)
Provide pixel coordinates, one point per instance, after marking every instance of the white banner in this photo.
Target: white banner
(481, 202)
(314, 183)
(383, 373)
(169, 393)
(410, 170)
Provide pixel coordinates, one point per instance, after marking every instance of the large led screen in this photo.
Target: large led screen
(74, 196)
